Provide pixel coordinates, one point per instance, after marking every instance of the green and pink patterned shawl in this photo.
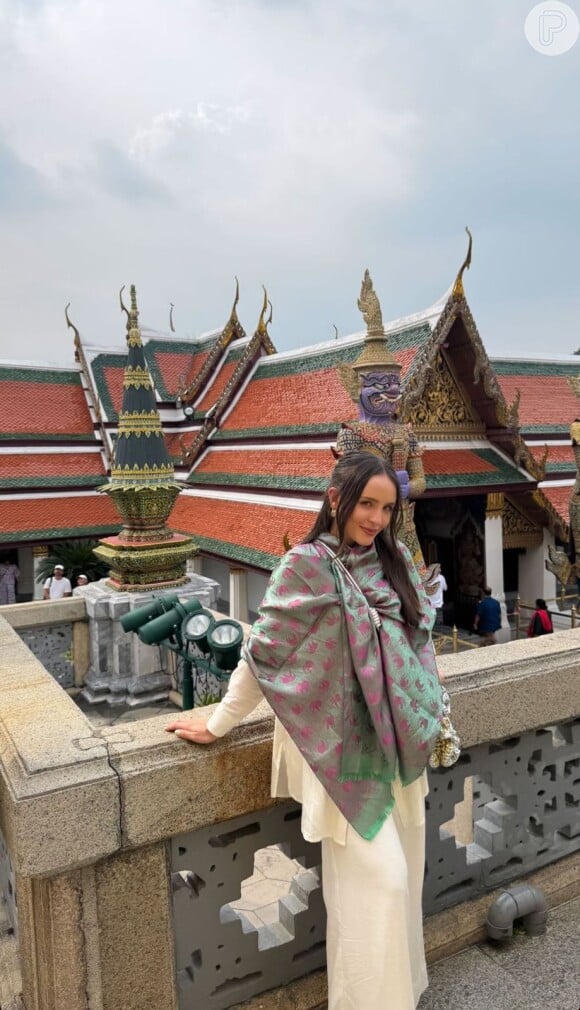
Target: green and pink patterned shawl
(362, 704)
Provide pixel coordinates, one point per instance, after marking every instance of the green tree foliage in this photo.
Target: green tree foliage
(78, 559)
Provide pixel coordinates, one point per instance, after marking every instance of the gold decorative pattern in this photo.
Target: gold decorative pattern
(518, 529)
(494, 505)
(575, 385)
(136, 423)
(136, 377)
(513, 413)
(442, 408)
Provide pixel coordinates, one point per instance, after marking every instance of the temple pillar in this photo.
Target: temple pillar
(494, 558)
(239, 595)
(39, 553)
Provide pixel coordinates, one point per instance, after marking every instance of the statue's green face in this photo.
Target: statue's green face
(380, 394)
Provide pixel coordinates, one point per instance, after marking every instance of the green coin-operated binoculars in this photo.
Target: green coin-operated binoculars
(191, 631)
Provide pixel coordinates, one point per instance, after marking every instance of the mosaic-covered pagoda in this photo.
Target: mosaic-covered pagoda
(146, 554)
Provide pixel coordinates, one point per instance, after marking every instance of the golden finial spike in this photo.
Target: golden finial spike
(370, 307)
(233, 313)
(458, 291)
(171, 326)
(71, 325)
(269, 319)
(124, 307)
(335, 331)
(261, 323)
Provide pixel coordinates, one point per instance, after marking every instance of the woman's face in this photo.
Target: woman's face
(371, 514)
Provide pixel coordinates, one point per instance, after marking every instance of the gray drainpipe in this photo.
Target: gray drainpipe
(520, 902)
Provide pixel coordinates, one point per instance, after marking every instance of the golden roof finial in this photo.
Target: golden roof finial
(124, 307)
(171, 326)
(233, 313)
(70, 324)
(261, 328)
(335, 327)
(458, 291)
(375, 355)
(370, 307)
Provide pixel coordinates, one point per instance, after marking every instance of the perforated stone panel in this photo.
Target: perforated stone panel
(218, 964)
(53, 647)
(526, 814)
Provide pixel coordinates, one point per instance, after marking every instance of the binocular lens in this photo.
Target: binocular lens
(225, 634)
(197, 625)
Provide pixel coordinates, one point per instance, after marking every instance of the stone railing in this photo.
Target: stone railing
(57, 632)
(128, 847)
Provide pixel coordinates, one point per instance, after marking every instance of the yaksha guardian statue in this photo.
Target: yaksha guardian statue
(374, 383)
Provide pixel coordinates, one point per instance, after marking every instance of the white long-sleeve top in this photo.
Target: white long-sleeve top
(292, 776)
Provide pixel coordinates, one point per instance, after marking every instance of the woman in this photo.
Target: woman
(540, 622)
(342, 652)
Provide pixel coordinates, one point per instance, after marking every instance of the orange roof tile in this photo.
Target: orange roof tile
(316, 462)
(308, 398)
(556, 453)
(560, 499)
(113, 376)
(217, 387)
(48, 464)
(38, 407)
(253, 526)
(447, 461)
(545, 399)
(68, 515)
(175, 366)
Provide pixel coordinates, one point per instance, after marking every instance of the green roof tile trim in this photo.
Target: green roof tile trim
(505, 473)
(98, 365)
(533, 429)
(263, 480)
(18, 374)
(328, 428)
(58, 534)
(552, 368)
(185, 347)
(52, 482)
(236, 552)
(30, 437)
(413, 336)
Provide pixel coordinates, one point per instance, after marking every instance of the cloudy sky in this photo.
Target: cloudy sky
(176, 143)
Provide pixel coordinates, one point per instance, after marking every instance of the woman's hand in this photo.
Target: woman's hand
(194, 732)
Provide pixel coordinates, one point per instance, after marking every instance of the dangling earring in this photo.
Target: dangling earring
(333, 513)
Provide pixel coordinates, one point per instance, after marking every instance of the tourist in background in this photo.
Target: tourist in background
(540, 622)
(355, 726)
(9, 575)
(436, 598)
(57, 585)
(487, 618)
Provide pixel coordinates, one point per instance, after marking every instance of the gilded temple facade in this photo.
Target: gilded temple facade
(250, 431)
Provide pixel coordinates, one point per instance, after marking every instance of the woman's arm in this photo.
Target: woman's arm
(241, 698)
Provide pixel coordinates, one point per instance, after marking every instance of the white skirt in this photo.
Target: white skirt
(372, 890)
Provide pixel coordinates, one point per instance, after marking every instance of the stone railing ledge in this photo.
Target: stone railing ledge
(42, 613)
(59, 796)
(503, 690)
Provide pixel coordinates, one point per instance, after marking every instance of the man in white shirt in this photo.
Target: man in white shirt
(57, 585)
(436, 598)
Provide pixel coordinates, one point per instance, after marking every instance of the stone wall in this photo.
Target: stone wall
(100, 825)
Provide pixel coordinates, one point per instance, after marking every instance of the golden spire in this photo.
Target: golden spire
(262, 324)
(458, 291)
(375, 355)
(70, 324)
(233, 314)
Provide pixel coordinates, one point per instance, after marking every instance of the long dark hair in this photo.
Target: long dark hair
(350, 477)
